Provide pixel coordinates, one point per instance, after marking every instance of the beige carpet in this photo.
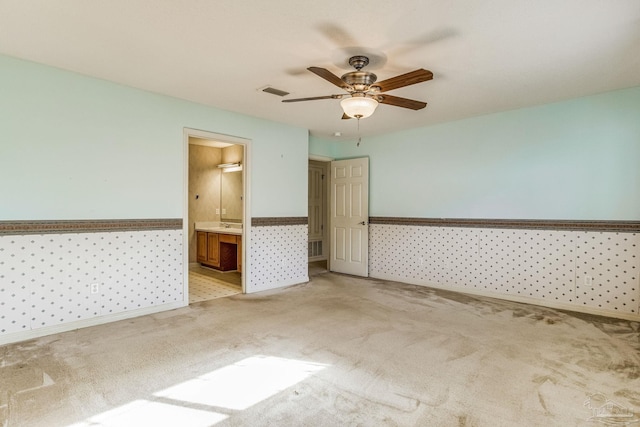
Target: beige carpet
(338, 351)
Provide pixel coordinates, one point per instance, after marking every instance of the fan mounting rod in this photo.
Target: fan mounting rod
(359, 80)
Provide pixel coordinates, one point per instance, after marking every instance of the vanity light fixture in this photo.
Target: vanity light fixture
(230, 167)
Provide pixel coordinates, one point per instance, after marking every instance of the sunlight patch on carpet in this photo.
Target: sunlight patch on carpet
(244, 383)
(148, 413)
(210, 398)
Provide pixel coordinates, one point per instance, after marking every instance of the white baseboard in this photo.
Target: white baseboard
(94, 321)
(514, 298)
(268, 287)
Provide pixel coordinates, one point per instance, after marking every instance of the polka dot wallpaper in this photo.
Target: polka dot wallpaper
(546, 265)
(46, 279)
(278, 256)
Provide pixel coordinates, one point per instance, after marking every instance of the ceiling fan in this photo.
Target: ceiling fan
(364, 94)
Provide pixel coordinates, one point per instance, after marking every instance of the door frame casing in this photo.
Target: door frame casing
(327, 207)
(326, 170)
(246, 211)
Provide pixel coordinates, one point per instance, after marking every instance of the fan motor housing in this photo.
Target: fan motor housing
(359, 78)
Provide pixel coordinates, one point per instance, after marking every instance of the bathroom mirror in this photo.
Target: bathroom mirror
(231, 196)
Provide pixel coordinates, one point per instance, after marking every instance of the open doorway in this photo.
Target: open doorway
(318, 210)
(216, 209)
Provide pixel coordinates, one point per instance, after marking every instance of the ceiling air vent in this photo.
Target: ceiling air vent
(274, 91)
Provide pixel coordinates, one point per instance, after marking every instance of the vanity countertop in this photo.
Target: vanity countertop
(217, 227)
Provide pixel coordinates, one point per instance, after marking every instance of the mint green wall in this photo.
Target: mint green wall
(324, 148)
(578, 159)
(75, 147)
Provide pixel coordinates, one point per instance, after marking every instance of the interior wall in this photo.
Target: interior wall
(543, 267)
(45, 279)
(573, 160)
(103, 150)
(204, 189)
(323, 147)
(233, 154)
(80, 148)
(278, 256)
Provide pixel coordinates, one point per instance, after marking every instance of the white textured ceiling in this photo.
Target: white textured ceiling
(486, 55)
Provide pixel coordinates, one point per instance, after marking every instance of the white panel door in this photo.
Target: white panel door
(349, 222)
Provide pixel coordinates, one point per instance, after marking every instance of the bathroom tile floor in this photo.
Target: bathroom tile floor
(207, 284)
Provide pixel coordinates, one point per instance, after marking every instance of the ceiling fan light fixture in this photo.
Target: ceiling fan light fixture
(359, 107)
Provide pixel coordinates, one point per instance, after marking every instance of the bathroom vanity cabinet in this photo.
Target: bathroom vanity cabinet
(219, 250)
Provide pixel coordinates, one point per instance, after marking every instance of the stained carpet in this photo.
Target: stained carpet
(336, 351)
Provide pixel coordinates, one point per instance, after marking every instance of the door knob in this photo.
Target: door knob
(362, 223)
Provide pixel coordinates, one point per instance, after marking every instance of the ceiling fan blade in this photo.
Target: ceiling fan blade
(345, 117)
(401, 102)
(313, 98)
(328, 76)
(403, 80)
